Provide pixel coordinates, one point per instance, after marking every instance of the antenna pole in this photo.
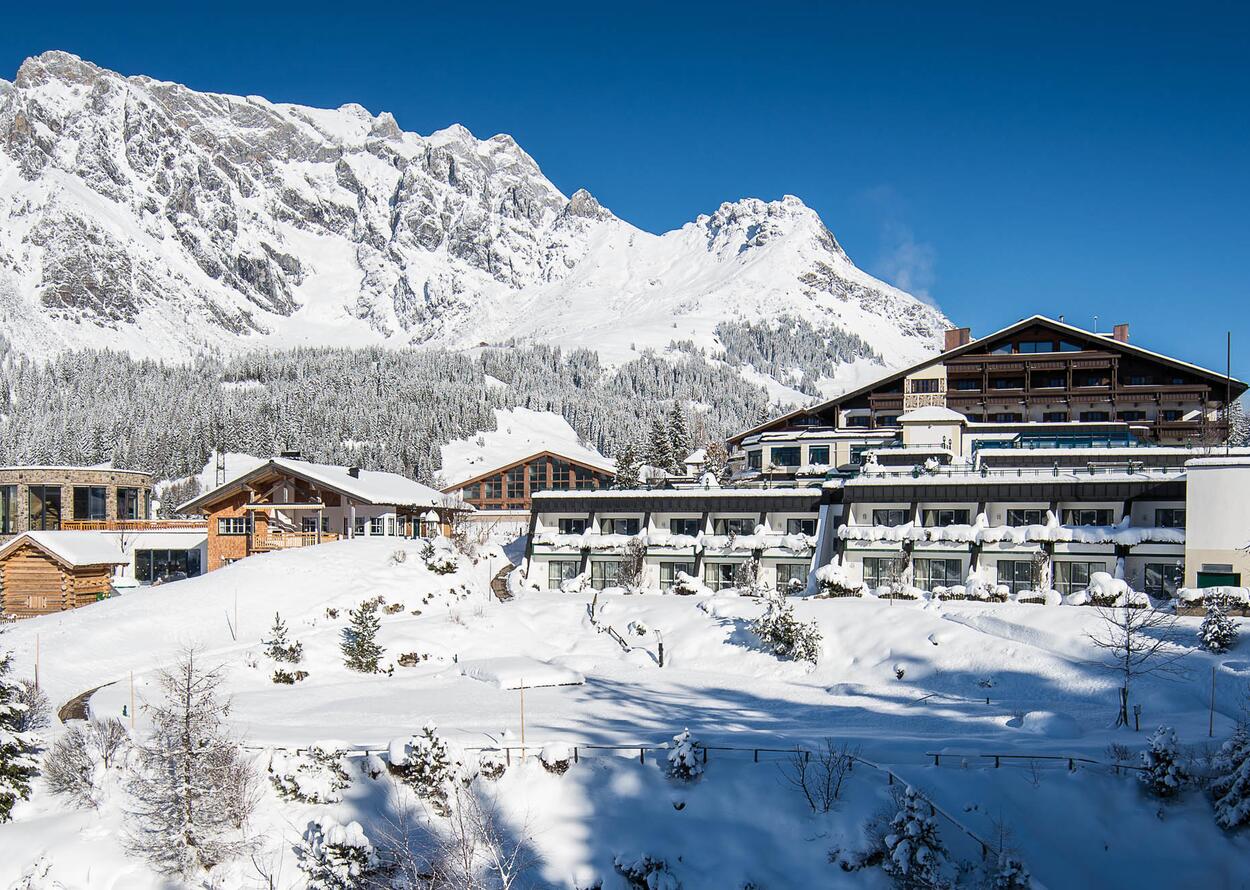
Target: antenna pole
(1228, 391)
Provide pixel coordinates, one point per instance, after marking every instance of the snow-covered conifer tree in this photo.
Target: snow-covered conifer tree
(1218, 631)
(1011, 874)
(627, 466)
(914, 854)
(1230, 790)
(192, 789)
(361, 651)
(659, 452)
(424, 763)
(336, 857)
(1163, 775)
(678, 436)
(685, 763)
(18, 764)
(716, 461)
(783, 634)
(278, 647)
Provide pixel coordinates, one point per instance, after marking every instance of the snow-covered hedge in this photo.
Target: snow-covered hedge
(833, 581)
(316, 777)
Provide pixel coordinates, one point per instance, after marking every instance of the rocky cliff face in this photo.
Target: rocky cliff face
(153, 218)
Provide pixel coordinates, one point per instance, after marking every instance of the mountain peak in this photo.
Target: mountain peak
(584, 206)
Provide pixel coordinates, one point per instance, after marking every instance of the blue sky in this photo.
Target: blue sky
(1003, 159)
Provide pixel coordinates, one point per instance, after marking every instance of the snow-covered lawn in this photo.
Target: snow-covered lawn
(900, 680)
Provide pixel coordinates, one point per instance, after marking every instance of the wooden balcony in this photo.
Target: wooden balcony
(134, 525)
(279, 540)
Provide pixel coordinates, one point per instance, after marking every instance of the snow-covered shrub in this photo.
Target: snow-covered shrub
(637, 628)
(372, 766)
(77, 763)
(393, 609)
(287, 678)
(1108, 592)
(784, 635)
(18, 764)
(687, 585)
(1230, 790)
(1218, 631)
(685, 763)
(492, 764)
(336, 857)
(644, 872)
(556, 758)
(412, 659)
(1011, 874)
(833, 581)
(278, 647)
(316, 777)
(424, 763)
(37, 712)
(439, 556)
(576, 584)
(913, 853)
(1163, 773)
(361, 651)
(399, 557)
(747, 580)
(632, 569)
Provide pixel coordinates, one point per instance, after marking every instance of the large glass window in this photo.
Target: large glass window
(128, 504)
(930, 384)
(166, 565)
(569, 526)
(801, 526)
(669, 572)
(891, 516)
(930, 573)
(1054, 417)
(90, 501)
(882, 570)
(735, 525)
(1087, 516)
(789, 456)
(561, 570)
(818, 455)
(560, 473)
(1170, 517)
(516, 482)
(967, 384)
(1095, 416)
(791, 576)
(1073, 577)
(44, 506)
(605, 573)
(1037, 346)
(1018, 574)
(8, 509)
(616, 525)
(585, 479)
(492, 489)
(719, 575)
(234, 525)
(1018, 518)
(1163, 579)
(943, 517)
(755, 459)
(684, 526)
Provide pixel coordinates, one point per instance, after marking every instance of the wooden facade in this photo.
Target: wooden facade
(37, 582)
(510, 487)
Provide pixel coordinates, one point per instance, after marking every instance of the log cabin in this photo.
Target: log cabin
(50, 571)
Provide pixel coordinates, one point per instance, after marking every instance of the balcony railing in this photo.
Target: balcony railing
(280, 540)
(134, 525)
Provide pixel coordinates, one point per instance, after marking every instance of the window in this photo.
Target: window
(684, 526)
(128, 504)
(1170, 517)
(1073, 577)
(857, 454)
(801, 526)
(376, 527)
(1087, 516)
(818, 455)
(1138, 380)
(1065, 346)
(931, 573)
(1163, 579)
(930, 384)
(887, 420)
(755, 459)
(166, 565)
(719, 575)
(1037, 346)
(584, 479)
(308, 525)
(619, 526)
(560, 570)
(890, 517)
(1054, 417)
(1007, 383)
(492, 488)
(8, 509)
(881, 570)
(670, 570)
(1006, 417)
(1095, 416)
(944, 517)
(967, 384)
(572, 526)
(789, 456)
(472, 492)
(860, 420)
(89, 501)
(360, 527)
(1018, 518)
(390, 526)
(791, 576)
(1049, 381)
(560, 472)
(605, 573)
(1018, 574)
(234, 525)
(1132, 415)
(1090, 380)
(1171, 415)
(1002, 350)
(735, 526)
(44, 507)
(516, 482)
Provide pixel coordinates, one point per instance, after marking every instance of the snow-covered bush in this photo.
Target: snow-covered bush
(439, 556)
(1109, 592)
(278, 647)
(1230, 790)
(637, 628)
(784, 635)
(913, 853)
(316, 777)
(556, 758)
(372, 766)
(833, 581)
(685, 763)
(747, 580)
(1163, 773)
(336, 857)
(492, 764)
(576, 584)
(37, 711)
(412, 659)
(76, 765)
(644, 872)
(424, 763)
(687, 585)
(1218, 631)
(1011, 874)
(361, 651)
(287, 678)
(18, 764)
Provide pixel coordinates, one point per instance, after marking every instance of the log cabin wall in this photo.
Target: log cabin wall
(36, 583)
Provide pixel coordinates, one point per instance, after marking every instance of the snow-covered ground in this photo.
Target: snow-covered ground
(899, 680)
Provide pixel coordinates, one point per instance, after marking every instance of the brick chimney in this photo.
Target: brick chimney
(1120, 332)
(956, 337)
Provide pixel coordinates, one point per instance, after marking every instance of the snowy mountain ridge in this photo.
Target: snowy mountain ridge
(149, 217)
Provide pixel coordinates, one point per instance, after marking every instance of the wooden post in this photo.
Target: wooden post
(996, 758)
(1211, 715)
(642, 755)
(575, 754)
(36, 661)
(132, 701)
(661, 653)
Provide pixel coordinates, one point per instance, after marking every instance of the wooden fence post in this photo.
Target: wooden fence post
(642, 755)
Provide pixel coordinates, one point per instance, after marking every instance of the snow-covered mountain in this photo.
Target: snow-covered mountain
(152, 218)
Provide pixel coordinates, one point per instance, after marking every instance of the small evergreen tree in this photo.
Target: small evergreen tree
(659, 452)
(361, 651)
(1218, 631)
(278, 647)
(1231, 788)
(678, 437)
(716, 461)
(336, 857)
(627, 467)
(18, 764)
(914, 854)
(784, 635)
(684, 760)
(425, 764)
(1163, 775)
(1011, 874)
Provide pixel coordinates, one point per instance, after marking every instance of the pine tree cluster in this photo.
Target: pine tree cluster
(18, 764)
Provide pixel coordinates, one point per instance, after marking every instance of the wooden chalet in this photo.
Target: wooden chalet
(508, 487)
(49, 571)
(1038, 371)
(287, 502)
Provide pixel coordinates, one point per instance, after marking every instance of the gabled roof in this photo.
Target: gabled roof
(932, 414)
(604, 466)
(370, 486)
(72, 548)
(1061, 327)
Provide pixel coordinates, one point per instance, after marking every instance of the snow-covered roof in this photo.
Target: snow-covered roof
(698, 456)
(519, 433)
(368, 486)
(72, 548)
(693, 493)
(1226, 461)
(932, 414)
